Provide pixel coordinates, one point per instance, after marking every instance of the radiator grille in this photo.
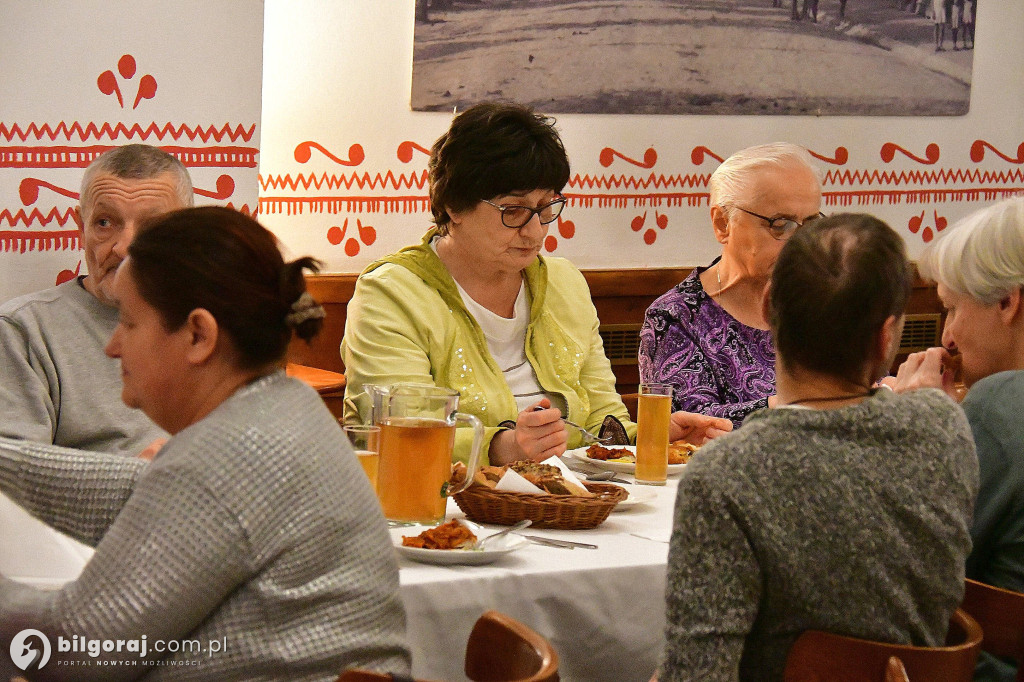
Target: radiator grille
(921, 331)
(621, 342)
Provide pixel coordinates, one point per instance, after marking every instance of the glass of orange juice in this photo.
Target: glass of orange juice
(365, 441)
(654, 409)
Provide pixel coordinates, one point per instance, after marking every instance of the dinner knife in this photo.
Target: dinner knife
(552, 542)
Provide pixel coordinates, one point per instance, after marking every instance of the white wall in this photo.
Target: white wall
(206, 60)
(339, 74)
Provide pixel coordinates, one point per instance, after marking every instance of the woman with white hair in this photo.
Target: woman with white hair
(979, 269)
(708, 336)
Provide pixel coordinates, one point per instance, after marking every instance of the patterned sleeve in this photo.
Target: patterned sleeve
(77, 492)
(670, 353)
(713, 588)
(167, 562)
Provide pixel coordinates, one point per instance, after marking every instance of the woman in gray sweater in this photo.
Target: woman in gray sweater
(252, 546)
(844, 509)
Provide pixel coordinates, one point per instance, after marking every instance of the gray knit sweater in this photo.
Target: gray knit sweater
(56, 384)
(853, 520)
(254, 527)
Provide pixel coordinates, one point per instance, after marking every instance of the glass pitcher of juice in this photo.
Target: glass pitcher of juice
(417, 435)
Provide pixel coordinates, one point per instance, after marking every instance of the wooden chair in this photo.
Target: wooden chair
(1000, 613)
(500, 649)
(825, 657)
(631, 400)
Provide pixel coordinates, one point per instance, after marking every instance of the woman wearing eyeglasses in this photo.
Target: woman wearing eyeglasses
(475, 308)
(708, 336)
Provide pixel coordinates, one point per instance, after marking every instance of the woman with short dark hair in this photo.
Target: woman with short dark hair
(844, 509)
(477, 309)
(254, 529)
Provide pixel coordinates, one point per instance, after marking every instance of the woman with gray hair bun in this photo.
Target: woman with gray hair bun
(708, 336)
(979, 268)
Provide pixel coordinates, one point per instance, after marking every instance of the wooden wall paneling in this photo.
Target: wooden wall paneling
(621, 298)
(333, 292)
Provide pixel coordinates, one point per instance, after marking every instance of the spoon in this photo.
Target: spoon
(605, 476)
(501, 533)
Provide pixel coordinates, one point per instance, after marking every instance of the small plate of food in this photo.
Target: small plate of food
(453, 542)
(622, 458)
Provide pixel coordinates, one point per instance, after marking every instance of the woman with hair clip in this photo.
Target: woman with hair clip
(253, 531)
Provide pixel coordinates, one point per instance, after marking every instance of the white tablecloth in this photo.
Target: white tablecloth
(602, 609)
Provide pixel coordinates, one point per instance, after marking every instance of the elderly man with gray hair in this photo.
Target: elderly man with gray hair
(708, 336)
(58, 386)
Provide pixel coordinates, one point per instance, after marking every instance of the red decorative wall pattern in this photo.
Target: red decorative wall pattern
(354, 196)
(40, 147)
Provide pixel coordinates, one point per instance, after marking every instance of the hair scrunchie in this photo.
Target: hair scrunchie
(304, 308)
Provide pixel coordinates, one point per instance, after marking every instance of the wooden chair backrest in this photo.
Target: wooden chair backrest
(501, 649)
(1000, 613)
(364, 676)
(823, 656)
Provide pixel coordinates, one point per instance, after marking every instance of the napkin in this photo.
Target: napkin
(513, 482)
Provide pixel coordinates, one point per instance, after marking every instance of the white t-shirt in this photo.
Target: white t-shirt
(506, 341)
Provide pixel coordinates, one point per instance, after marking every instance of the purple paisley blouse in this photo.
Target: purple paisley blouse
(716, 365)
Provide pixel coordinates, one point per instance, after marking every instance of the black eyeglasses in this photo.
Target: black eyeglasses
(516, 216)
(782, 227)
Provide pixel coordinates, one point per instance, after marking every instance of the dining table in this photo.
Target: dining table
(602, 608)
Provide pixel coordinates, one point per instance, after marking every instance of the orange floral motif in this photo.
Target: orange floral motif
(108, 83)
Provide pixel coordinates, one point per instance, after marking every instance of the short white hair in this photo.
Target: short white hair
(982, 255)
(731, 182)
(138, 162)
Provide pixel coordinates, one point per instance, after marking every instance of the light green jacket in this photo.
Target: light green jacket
(407, 323)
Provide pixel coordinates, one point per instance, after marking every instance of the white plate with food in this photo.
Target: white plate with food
(637, 496)
(624, 464)
(464, 556)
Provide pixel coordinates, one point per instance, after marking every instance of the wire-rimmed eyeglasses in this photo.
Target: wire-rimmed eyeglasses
(516, 216)
(782, 227)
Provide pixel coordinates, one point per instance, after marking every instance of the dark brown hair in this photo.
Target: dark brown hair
(834, 284)
(225, 262)
(493, 149)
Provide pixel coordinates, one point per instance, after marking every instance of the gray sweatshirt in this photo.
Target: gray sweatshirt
(853, 520)
(56, 384)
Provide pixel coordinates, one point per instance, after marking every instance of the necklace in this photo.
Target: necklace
(718, 276)
(827, 399)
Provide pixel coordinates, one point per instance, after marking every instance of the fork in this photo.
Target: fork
(588, 437)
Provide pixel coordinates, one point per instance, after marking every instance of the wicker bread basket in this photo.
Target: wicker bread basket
(567, 512)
